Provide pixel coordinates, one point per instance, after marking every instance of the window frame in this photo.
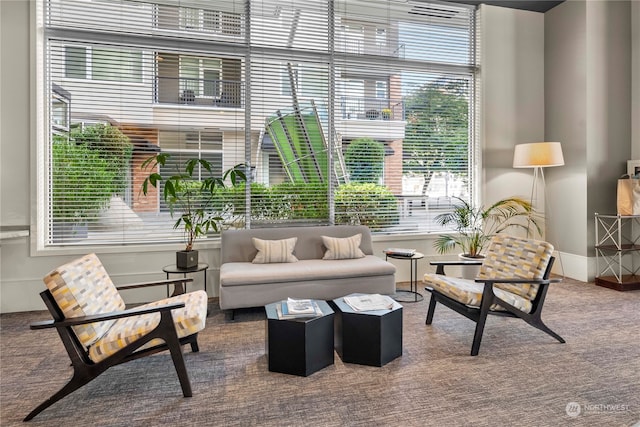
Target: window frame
(43, 108)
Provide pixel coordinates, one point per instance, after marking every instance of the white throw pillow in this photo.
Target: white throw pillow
(272, 251)
(342, 247)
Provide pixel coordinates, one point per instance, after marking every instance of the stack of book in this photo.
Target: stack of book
(400, 252)
(369, 302)
(298, 308)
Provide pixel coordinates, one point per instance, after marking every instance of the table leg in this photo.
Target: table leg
(412, 295)
(414, 279)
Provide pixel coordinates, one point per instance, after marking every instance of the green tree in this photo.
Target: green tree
(364, 158)
(110, 144)
(437, 131)
(87, 169)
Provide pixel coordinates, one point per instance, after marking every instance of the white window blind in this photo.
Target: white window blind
(347, 111)
(405, 77)
(136, 78)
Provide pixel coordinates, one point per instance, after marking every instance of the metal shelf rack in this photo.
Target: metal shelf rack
(618, 251)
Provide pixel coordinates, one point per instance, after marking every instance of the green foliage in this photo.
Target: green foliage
(364, 158)
(87, 170)
(263, 204)
(197, 202)
(286, 201)
(475, 226)
(304, 201)
(365, 204)
(111, 145)
(437, 131)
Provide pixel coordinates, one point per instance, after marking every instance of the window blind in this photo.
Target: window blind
(344, 111)
(132, 79)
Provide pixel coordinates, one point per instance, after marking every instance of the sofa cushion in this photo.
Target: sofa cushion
(246, 273)
(342, 247)
(274, 251)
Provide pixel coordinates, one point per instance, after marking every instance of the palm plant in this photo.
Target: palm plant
(475, 226)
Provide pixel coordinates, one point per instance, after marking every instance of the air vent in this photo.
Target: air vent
(433, 12)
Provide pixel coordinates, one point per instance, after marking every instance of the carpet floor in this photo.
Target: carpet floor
(522, 377)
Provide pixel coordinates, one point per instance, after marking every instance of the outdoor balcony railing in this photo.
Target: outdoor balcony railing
(354, 108)
(187, 91)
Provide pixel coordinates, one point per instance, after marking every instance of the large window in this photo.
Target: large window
(343, 111)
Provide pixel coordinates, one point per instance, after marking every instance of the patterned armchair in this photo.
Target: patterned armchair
(99, 332)
(513, 282)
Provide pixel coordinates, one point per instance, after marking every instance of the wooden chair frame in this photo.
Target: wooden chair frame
(85, 370)
(479, 314)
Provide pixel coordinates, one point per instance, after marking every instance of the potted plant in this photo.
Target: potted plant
(476, 225)
(192, 198)
(386, 113)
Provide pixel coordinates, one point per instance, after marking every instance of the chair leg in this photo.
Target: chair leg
(487, 300)
(538, 323)
(77, 381)
(432, 308)
(171, 338)
(181, 369)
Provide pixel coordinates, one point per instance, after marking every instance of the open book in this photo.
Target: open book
(369, 302)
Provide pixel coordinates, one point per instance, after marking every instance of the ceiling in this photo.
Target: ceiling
(533, 5)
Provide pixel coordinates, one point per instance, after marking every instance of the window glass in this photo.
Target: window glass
(117, 65)
(75, 62)
(344, 112)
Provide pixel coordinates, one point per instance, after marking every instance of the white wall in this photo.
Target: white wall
(512, 73)
(15, 126)
(588, 79)
(565, 112)
(635, 83)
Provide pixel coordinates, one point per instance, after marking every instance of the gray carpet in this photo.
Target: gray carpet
(522, 376)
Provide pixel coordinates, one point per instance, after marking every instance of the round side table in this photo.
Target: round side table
(412, 295)
(174, 269)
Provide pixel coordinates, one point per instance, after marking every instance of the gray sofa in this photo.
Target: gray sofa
(244, 284)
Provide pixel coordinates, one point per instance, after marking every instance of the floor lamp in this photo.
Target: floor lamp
(539, 155)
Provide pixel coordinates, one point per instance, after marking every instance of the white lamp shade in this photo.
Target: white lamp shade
(538, 154)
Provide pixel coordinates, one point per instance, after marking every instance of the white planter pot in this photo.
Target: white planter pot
(469, 272)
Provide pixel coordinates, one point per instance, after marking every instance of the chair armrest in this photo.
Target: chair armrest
(81, 320)
(459, 262)
(516, 281)
(441, 264)
(156, 283)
